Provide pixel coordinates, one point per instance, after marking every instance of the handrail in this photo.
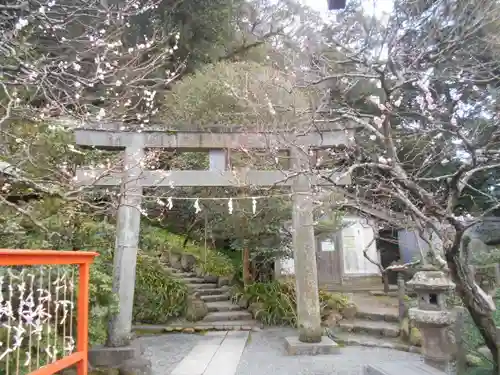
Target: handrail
(83, 259)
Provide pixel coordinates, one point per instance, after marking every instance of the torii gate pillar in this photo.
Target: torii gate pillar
(304, 250)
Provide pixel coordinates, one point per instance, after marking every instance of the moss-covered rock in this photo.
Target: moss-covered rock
(255, 309)
(243, 302)
(405, 328)
(175, 260)
(349, 311)
(485, 352)
(415, 337)
(474, 360)
(199, 271)
(196, 309)
(188, 262)
(332, 319)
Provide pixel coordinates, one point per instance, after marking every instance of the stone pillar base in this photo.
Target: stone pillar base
(294, 346)
(124, 360)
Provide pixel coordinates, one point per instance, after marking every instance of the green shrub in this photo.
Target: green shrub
(103, 301)
(158, 296)
(218, 264)
(157, 241)
(277, 302)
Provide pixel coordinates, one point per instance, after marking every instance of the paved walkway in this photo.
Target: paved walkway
(243, 353)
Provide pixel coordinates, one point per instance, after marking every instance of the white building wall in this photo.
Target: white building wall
(356, 235)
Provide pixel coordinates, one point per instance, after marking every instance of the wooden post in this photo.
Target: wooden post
(246, 266)
(385, 278)
(401, 296)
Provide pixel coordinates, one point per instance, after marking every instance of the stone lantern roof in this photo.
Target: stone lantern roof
(431, 280)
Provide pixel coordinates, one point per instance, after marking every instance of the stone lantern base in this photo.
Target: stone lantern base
(439, 346)
(433, 318)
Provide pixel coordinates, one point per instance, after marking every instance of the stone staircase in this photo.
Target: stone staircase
(222, 313)
(372, 326)
(216, 298)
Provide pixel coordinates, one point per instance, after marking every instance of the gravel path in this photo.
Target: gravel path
(166, 351)
(265, 355)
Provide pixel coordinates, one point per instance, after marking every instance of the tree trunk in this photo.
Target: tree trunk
(189, 230)
(468, 294)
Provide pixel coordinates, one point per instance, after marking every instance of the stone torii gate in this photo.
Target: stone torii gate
(133, 178)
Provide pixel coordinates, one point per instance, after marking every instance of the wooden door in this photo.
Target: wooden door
(328, 259)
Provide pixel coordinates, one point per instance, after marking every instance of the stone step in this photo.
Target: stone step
(210, 291)
(202, 286)
(222, 316)
(186, 274)
(193, 280)
(222, 306)
(396, 367)
(181, 274)
(216, 298)
(359, 339)
(192, 327)
(377, 313)
(370, 327)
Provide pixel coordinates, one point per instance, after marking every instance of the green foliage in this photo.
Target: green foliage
(472, 335)
(67, 230)
(158, 241)
(158, 295)
(204, 26)
(103, 302)
(241, 93)
(276, 301)
(218, 264)
(486, 262)
(47, 340)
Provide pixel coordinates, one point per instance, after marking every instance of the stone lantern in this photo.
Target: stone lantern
(433, 318)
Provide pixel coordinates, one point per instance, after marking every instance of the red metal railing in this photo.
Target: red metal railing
(74, 355)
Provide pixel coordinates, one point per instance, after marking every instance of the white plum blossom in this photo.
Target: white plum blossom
(21, 23)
